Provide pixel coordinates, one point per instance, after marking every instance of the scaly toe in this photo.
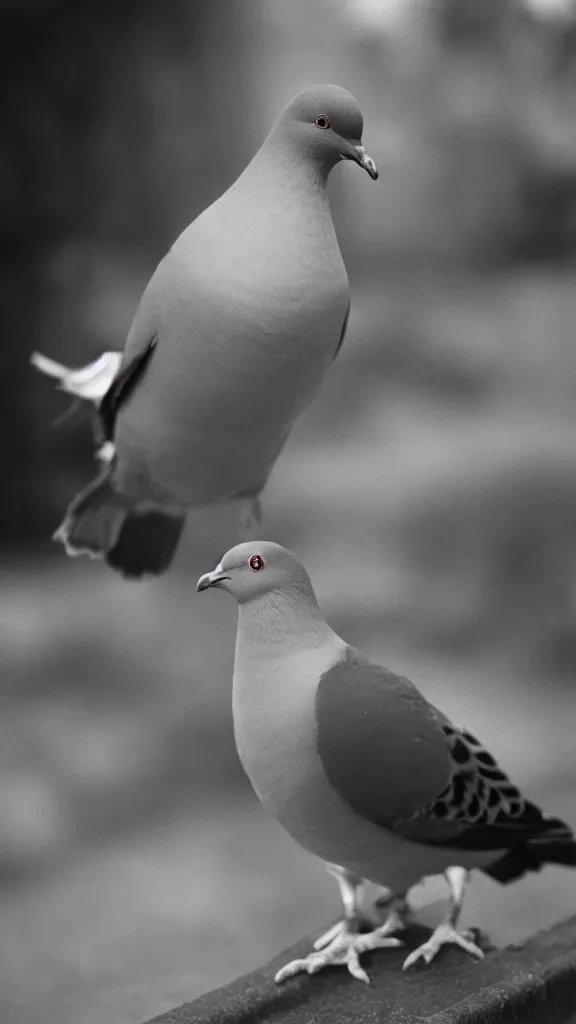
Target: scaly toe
(443, 936)
(360, 924)
(377, 940)
(342, 947)
(334, 932)
(358, 972)
(292, 968)
(465, 942)
(315, 962)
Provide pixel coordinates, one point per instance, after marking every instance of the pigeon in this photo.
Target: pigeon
(362, 770)
(231, 340)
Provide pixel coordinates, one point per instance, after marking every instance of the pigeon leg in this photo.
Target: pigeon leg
(398, 910)
(350, 886)
(344, 942)
(446, 933)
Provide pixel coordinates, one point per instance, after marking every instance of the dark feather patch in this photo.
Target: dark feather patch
(460, 752)
(485, 758)
(491, 773)
(370, 723)
(458, 790)
(493, 797)
(146, 544)
(122, 386)
(474, 807)
(343, 331)
(491, 809)
(510, 791)
(532, 856)
(471, 739)
(441, 808)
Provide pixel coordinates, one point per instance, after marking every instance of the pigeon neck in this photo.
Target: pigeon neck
(281, 621)
(287, 160)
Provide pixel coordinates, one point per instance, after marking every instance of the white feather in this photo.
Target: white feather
(89, 382)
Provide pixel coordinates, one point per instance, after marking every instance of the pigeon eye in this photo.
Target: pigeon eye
(256, 562)
(321, 121)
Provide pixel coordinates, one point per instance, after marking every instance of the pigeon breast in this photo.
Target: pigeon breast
(248, 309)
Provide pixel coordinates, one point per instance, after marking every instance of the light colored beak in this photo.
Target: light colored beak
(211, 579)
(366, 162)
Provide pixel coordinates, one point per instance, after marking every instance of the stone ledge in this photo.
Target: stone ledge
(532, 983)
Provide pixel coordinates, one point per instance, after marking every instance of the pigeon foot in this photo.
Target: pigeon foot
(444, 935)
(362, 925)
(340, 947)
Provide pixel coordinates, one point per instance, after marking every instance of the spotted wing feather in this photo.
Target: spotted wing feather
(479, 792)
(480, 808)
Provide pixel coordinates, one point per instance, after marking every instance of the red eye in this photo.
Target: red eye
(321, 121)
(256, 562)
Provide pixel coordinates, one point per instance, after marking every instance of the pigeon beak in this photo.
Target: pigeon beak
(211, 579)
(366, 162)
(355, 151)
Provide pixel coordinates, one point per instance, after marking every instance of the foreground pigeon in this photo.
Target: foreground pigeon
(230, 343)
(361, 769)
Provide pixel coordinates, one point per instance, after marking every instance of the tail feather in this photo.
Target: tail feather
(49, 366)
(102, 524)
(89, 382)
(93, 520)
(146, 544)
(556, 845)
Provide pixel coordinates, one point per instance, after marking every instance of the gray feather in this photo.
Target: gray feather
(374, 733)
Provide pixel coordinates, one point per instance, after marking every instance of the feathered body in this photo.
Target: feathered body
(230, 342)
(362, 770)
(243, 339)
(359, 767)
(278, 743)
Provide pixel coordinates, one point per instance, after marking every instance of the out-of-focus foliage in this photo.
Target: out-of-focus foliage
(430, 488)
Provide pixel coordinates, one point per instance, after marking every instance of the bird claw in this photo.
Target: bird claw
(443, 935)
(340, 947)
(342, 928)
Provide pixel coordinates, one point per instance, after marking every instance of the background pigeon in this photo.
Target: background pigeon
(230, 343)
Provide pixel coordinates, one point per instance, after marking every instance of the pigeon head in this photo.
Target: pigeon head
(325, 123)
(255, 568)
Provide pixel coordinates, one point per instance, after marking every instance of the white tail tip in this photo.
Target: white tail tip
(48, 366)
(90, 382)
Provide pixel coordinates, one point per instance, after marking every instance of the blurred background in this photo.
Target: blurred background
(431, 489)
